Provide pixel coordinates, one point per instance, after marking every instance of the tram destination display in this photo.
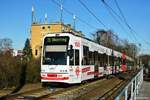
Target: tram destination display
(56, 40)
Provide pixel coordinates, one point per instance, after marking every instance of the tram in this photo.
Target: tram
(69, 58)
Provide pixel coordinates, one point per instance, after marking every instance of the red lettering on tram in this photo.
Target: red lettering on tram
(77, 44)
(77, 71)
(85, 69)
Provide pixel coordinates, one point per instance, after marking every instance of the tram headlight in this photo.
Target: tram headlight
(43, 74)
(42, 71)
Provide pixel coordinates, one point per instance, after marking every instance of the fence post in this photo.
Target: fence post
(135, 88)
(126, 93)
(131, 91)
(136, 83)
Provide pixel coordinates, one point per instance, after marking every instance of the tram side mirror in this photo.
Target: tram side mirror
(71, 47)
(68, 52)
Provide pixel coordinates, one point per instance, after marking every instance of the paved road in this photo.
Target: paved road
(144, 93)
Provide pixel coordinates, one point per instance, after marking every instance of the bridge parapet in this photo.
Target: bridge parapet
(131, 90)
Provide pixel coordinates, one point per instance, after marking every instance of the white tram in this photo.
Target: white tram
(67, 58)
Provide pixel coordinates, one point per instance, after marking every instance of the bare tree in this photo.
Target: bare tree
(105, 38)
(108, 39)
(5, 44)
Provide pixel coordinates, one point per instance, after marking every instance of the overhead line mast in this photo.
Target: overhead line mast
(61, 13)
(33, 15)
(46, 19)
(74, 21)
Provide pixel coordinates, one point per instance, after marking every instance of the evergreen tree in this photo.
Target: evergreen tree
(27, 50)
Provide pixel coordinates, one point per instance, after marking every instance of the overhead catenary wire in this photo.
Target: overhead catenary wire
(125, 21)
(81, 20)
(131, 29)
(109, 7)
(91, 12)
(112, 12)
(72, 14)
(121, 13)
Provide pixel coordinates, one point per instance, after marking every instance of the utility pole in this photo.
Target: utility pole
(139, 55)
(46, 20)
(112, 61)
(74, 21)
(33, 16)
(61, 13)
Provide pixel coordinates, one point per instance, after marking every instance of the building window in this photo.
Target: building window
(49, 27)
(36, 52)
(43, 27)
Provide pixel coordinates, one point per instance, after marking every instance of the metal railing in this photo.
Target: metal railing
(130, 91)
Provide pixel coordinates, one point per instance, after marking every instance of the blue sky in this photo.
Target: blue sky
(15, 18)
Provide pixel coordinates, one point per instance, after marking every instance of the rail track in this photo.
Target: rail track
(112, 92)
(14, 96)
(38, 93)
(109, 93)
(82, 92)
(99, 89)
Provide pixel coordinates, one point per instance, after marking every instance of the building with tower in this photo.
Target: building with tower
(39, 30)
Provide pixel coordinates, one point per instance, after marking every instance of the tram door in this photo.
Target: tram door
(96, 63)
(75, 75)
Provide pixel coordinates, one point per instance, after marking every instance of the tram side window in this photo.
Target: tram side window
(74, 57)
(71, 60)
(124, 61)
(90, 58)
(85, 60)
(77, 57)
(99, 59)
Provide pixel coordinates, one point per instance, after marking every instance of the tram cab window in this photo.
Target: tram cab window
(55, 50)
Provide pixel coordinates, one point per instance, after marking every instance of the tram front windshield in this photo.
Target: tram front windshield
(55, 50)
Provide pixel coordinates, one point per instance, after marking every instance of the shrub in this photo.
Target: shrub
(9, 71)
(33, 71)
(17, 72)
